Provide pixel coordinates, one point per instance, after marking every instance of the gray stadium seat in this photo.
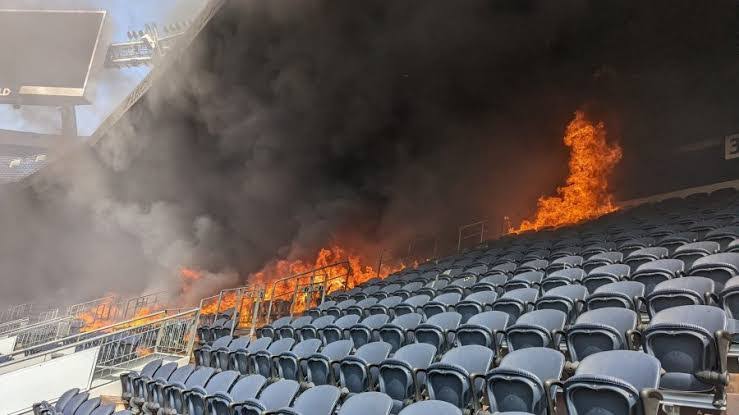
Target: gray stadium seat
(175, 392)
(337, 330)
(475, 303)
(484, 329)
(291, 330)
(241, 359)
(398, 331)
(624, 294)
(243, 390)
(431, 407)
(538, 328)
(438, 330)
(402, 376)
(411, 305)
(566, 298)
(605, 274)
(289, 362)
(600, 330)
(516, 302)
(312, 330)
(356, 373)
(457, 378)
(653, 272)
(680, 291)
(366, 331)
(529, 279)
(195, 397)
(275, 396)
(718, 267)
(440, 304)
(318, 400)
(127, 379)
(367, 403)
(320, 367)
(156, 397)
(261, 361)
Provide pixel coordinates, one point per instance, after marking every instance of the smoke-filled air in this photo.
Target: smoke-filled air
(292, 135)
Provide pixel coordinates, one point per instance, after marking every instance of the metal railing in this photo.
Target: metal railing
(123, 343)
(13, 325)
(16, 312)
(474, 231)
(42, 332)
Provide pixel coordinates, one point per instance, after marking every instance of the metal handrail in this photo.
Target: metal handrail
(9, 326)
(38, 324)
(94, 339)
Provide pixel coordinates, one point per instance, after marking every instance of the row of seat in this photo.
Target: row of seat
(76, 402)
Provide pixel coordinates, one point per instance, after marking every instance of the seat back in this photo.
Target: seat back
(535, 329)
(88, 406)
(367, 403)
(354, 371)
(436, 329)
(335, 332)
(449, 380)
(482, 329)
(475, 303)
(319, 366)
(279, 394)
(396, 333)
(363, 333)
(600, 330)
(396, 375)
(318, 400)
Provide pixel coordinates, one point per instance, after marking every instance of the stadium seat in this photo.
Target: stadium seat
(518, 383)
(398, 331)
(600, 330)
(730, 298)
(358, 372)
(564, 262)
(688, 253)
(340, 308)
(641, 256)
(361, 308)
(538, 328)
(411, 305)
(275, 396)
(270, 330)
(320, 367)
(289, 364)
(529, 279)
(337, 330)
(440, 304)
(318, 400)
(243, 390)
(654, 272)
(221, 357)
(203, 353)
(141, 386)
(366, 331)
(403, 376)
(127, 379)
(484, 329)
(175, 392)
(624, 294)
(290, 331)
(262, 360)
(475, 303)
(321, 309)
(718, 267)
(431, 407)
(312, 330)
(562, 277)
(516, 302)
(457, 378)
(604, 275)
(680, 291)
(156, 396)
(386, 305)
(438, 330)
(723, 235)
(195, 397)
(367, 403)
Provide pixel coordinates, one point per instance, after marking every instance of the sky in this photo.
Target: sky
(111, 85)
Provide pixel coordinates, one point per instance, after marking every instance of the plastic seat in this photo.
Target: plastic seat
(680, 291)
(624, 294)
(718, 267)
(58, 406)
(505, 268)
(723, 235)
(106, 409)
(290, 331)
(652, 273)
(361, 308)
(532, 265)
(366, 331)
(262, 360)
(564, 262)
(367, 403)
(203, 354)
(321, 309)
(595, 248)
(386, 305)
(156, 397)
(538, 328)
(356, 373)
(484, 329)
(318, 400)
(387, 291)
(630, 246)
(457, 378)
(518, 383)
(275, 396)
(602, 259)
(244, 389)
(461, 285)
(493, 283)
(408, 290)
(320, 367)
(174, 392)
(688, 253)
(475, 303)
(691, 343)
(605, 274)
(440, 304)
(411, 305)
(127, 379)
(674, 240)
(431, 407)
(340, 308)
(733, 246)
(529, 279)
(88, 406)
(567, 299)
(730, 298)
(142, 386)
(270, 330)
(312, 330)
(398, 331)
(516, 302)
(641, 256)
(609, 383)
(600, 330)
(196, 397)
(402, 376)
(288, 363)
(221, 357)
(337, 330)
(562, 277)
(438, 330)
(241, 359)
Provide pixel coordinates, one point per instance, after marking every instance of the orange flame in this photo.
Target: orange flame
(585, 196)
(109, 313)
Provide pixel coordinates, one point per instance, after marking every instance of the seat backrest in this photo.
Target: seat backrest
(283, 321)
(259, 344)
(281, 346)
(408, 321)
(306, 348)
(222, 342)
(247, 387)
(182, 374)
(492, 320)
(635, 368)
(338, 349)
(367, 302)
(417, 300)
(301, 321)
(88, 406)
(240, 343)
(104, 410)
(473, 358)
(66, 396)
(391, 301)
(543, 362)
(200, 377)
(322, 322)
(318, 400)
(526, 295)
(346, 321)
(417, 355)
(367, 403)
(482, 297)
(375, 321)
(279, 394)
(221, 382)
(151, 368)
(74, 402)
(447, 321)
(374, 352)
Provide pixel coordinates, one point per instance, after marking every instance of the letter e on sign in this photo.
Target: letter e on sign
(731, 147)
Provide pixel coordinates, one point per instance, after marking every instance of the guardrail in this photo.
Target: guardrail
(9, 326)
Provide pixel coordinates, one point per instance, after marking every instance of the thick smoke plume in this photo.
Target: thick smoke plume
(290, 125)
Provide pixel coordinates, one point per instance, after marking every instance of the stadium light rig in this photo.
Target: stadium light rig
(145, 46)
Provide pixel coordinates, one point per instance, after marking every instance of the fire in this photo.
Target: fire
(585, 195)
(109, 313)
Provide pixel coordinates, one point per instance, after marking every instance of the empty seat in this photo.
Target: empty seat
(680, 291)
(452, 380)
(275, 396)
(723, 235)
(602, 259)
(320, 368)
(367, 403)
(156, 396)
(339, 309)
(87, 407)
(386, 305)
(262, 359)
(644, 255)
(691, 344)
(624, 294)
(243, 390)
(530, 279)
(632, 245)
(730, 298)
(518, 383)
(356, 373)
(203, 354)
(321, 309)
(594, 248)
(600, 330)
(718, 267)
(241, 358)
(674, 240)
(516, 302)
(399, 331)
(562, 277)
(567, 298)
(567, 261)
(438, 330)
(538, 328)
(440, 304)
(127, 379)
(506, 268)
(289, 364)
(387, 291)
(688, 253)
(411, 305)
(484, 329)
(270, 330)
(733, 246)
(291, 330)
(221, 357)
(318, 400)
(652, 273)
(461, 285)
(408, 289)
(609, 383)
(402, 376)
(366, 331)
(174, 392)
(493, 283)
(605, 274)
(313, 330)
(431, 407)
(475, 303)
(336, 331)
(361, 308)
(195, 397)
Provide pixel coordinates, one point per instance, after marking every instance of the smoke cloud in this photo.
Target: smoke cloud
(289, 125)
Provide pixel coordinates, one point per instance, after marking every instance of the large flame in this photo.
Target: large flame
(585, 195)
(109, 313)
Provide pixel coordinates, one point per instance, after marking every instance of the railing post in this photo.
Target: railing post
(255, 312)
(271, 300)
(237, 310)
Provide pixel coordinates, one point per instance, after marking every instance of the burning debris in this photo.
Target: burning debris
(585, 195)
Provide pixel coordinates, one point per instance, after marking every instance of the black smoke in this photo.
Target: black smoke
(291, 124)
